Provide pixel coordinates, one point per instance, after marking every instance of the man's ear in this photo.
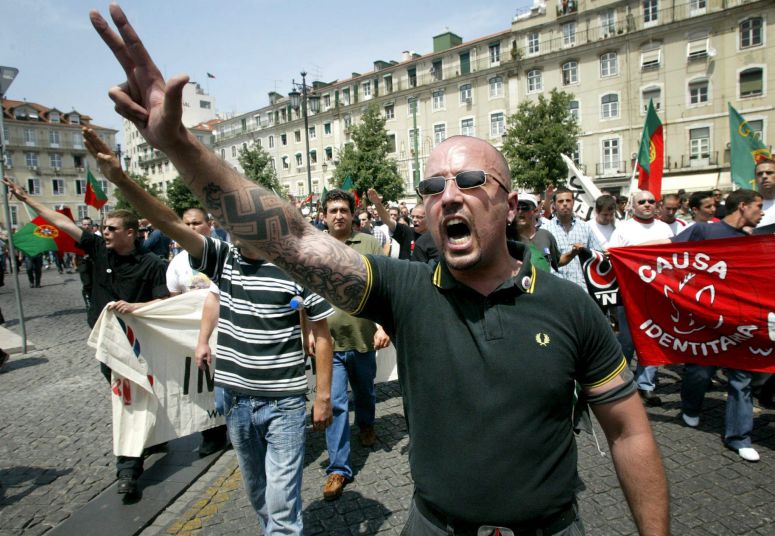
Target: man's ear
(512, 210)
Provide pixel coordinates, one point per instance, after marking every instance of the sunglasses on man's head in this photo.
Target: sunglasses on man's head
(465, 180)
(644, 201)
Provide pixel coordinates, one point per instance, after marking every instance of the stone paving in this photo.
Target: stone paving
(55, 452)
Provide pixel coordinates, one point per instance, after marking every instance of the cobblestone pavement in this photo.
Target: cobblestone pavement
(55, 452)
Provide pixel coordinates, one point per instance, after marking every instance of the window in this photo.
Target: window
(466, 93)
(650, 56)
(534, 82)
(346, 96)
(496, 87)
(610, 155)
(6, 135)
(467, 127)
(366, 86)
(439, 133)
(573, 109)
(233, 151)
(285, 162)
(312, 133)
(495, 53)
(259, 142)
(438, 99)
(608, 22)
(297, 136)
(327, 129)
(411, 74)
(77, 140)
(271, 142)
(465, 63)
(348, 121)
(9, 160)
(313, 157)
(698, 92)
(411, 105)
(388, 83)
(14, 215)
(283, 139)
(652, 93)
(436, 70)
(33, 186)
(58, 186)
(391, 138)
(751, 82)
(497, 124)
(104, 185)
(329, 154)
(54, 117)
(697, 7)
(751, 32)
(569, 34)
(80, 186)
(697, 47)
(298, 159)
(75, 119)
(390, 111)
(414, 136)
(53, 138)
(609, 106)
(31, 159)
(570, 73)
(576, 154)
(609, 64)
(223, 154)
(55, 159)
(699, 145)
(326, 101)
(83, 211)
(650, 12)
(29, 136)
(533, 46)
(205, 105)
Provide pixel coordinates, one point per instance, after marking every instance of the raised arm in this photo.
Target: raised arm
(384, 215)
(160, 215)
(50, 215)
(253, 214)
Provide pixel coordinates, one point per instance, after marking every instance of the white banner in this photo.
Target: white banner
(584, 191)
(158, 393)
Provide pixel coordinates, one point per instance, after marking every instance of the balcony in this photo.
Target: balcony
(607, 169)
(700, 160)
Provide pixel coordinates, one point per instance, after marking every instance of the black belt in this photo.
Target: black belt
(550, 525)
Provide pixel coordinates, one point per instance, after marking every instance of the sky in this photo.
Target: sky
(252, 47)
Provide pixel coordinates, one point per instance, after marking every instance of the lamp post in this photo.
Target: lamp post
(7, 75)
(304, 99)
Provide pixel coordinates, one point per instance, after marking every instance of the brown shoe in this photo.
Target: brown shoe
(368, 436)
(334, 486)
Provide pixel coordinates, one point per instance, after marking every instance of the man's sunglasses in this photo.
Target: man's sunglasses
(644, 201)
(111, 228)
(465, 180)
(524, 207)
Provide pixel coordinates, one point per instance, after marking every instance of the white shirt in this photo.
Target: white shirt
(182, 278)
(632, 232)
(769, 212)
(678, 225)
(602, 232)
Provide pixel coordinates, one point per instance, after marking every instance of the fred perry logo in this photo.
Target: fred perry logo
(542, 339)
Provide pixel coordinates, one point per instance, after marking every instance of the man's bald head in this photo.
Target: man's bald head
(490, 157)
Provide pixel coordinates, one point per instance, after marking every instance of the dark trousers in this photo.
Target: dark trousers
(34, 267)
(125, 465)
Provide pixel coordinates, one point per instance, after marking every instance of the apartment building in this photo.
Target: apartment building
(691, 57)
(44, 152)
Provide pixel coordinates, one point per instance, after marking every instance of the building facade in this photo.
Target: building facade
(45, 153)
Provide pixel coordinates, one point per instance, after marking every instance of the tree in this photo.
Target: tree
(536, 136)
(145, 184)
(257, 164)
(366, 159)
(180, 198)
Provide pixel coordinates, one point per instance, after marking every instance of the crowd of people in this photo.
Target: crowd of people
(503, 303)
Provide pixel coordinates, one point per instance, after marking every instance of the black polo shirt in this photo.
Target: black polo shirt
(134, 278)
(488, 383)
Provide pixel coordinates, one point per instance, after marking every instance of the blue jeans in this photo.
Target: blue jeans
(268, 437)
(738, 423)
(360, 369)
(645, 377)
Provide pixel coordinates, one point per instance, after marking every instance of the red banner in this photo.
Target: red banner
(710, 302)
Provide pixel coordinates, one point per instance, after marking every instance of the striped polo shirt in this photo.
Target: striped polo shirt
(259, 349)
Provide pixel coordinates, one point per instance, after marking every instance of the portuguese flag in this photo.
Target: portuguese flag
(651, 156)
(94, 197)
(348, 186)
(39, 236)
(747, 150)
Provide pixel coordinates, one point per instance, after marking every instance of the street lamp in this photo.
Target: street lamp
(7, 75)
(304, 99)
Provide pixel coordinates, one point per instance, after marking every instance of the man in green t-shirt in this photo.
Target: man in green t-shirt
(355, 343)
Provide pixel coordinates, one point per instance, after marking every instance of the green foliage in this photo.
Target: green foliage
(145, 184)
(536, 136)
(366, 159)
(180, 198)
(257, 164)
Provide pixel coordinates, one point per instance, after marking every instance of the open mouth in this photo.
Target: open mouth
(458, 232)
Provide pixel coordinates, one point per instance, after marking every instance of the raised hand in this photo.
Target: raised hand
(108, 162)
(151, 104)
(15, 190)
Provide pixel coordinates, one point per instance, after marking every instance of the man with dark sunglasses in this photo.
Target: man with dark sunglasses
(642, 227)
(486, 364)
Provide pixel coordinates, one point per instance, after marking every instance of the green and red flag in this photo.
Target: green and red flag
(348, 186)
(651, 156)
(94, 197)
(39, 236)
(746, 148)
